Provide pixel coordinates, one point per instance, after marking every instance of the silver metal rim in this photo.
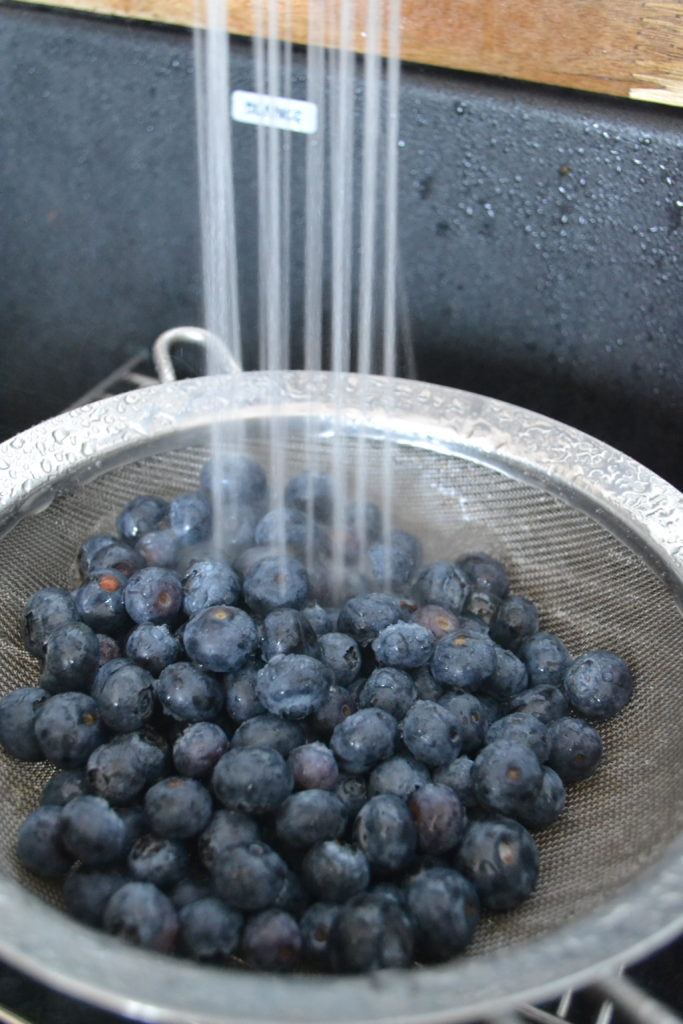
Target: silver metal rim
(631, 501)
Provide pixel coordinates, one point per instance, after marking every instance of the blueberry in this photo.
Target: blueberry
(276, 583)
(399, 776)
(598, 685)
(507, 776)
(154, 595)
(225, 830)
(547, 702)
(482, 604)
(365, 616)
(352, 790)
(64, 786)
(89, 548)
(198, 748)
(101, 601)
(126, 698)
(310, 816)
(190, 889)
(339, 704)
(467, 710)
(135, 824)
(209, 930)
(87, 891)
(364, 519)
(546, 659)
(548, 804)
(457, 774)
(39, 844)
(160, 548)
(320, 619)
(463, 661)
(241, 701)
(208, 582)
(235, 479)
(72, 654)
(68, 729)
(286, 631)
(159, 860)
(291, 527)
(249, 877)
(121, 769)
(140, 516)
(188, 694)
(364, 739)
(140, 913)
(522, 727)
(109, 648)
(272, 941)
(575, 749)
(18, 710)
(431, 733)
(404, 645)
(437, 619)
(394, 562)
(370, 934)
(444, 907)
(443, 584)
(426, 685)
(92, 831)
(268, 730)
(252, 779)
(390, 689)
(385, 831)
(153, 647)
(178, 807)
(220, 638)
(190, 517)
(43, 613)
(341, 654)
(313, 766)
(119, 557)
(485, 573)
(501, 860)
(335, 871)
(515, 620)
(293, 685)
(439, 817)
(312, 494)
(316, 925)
(509, 677)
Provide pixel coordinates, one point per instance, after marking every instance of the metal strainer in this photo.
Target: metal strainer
(593, 538)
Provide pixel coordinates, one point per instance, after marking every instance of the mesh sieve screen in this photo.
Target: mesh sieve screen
(590, 589)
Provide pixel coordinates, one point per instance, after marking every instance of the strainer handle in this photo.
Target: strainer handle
(7, 1017)
(162, 348)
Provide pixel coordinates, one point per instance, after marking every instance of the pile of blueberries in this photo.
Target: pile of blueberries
(249, 775)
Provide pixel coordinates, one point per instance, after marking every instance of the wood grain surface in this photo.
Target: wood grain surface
(619, 47)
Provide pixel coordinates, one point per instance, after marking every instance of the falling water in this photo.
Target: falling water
(350, 232)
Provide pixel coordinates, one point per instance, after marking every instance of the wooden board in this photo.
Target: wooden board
(619, 47)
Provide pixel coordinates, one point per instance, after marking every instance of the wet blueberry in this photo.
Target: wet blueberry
(467, 710)
(394, 562)
(352, 790)
(119, 556)
(547, 702)
(43, 613)
(501, 860)
(252, 779)
(443, 584)
(385, 831)
(208, 582)
(431, 733)
(485, 573)
(316, 925)
(178, 807)
(546, 659)
(89, 548)
(341, 654)
(268, 730)
(399, 776)
(439, 817)
(509, 677)
(310, 816)
(370, 934)
(249, 877)
(437, 619)
(64, 786)
(123, 768)
(198, 749)
(72, 654)
(126, 698)
(18, 710)
(293, 685)
(276, 583)
(390, 689)
(522, 727)
(140, 913)
(101, 601)
(575, 749)
(209, 930)
(364, 739)
(365, 616)
(506, 776)
(39, 843)
(338, 705)
(241, 701)
(220, 638)
(92, 831)
(154, 595)
(320, 619)
(272, 941)
(458, 776)
(236, 479)
(515, 620)
(159, 860)
(225, 830)
(312, 494)
(335, 871)
(313, 766)
(68, 728)
(463, 661)
(160, 548)
(153, 647)
(190, 517)
(286, 631)
(140, 516)
(87, 891)
(444, 907)
(188, 694)
(598, 685)
(405, 645)
(547, 805)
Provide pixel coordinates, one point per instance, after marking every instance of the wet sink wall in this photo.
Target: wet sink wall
(540, 229)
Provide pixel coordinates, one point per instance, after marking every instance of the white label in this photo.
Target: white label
(274, 112)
